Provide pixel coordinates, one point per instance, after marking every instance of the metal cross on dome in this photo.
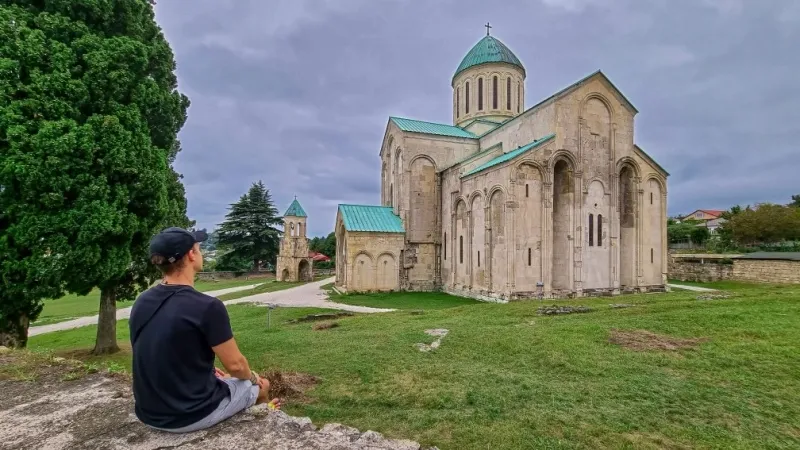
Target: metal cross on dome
(488, 27)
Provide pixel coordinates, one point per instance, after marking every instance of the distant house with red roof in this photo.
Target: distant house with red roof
(318, 257)
(710, 218)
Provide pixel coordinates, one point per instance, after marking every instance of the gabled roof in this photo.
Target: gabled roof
(488, 50)
(650, 159)
(510, 155)
(567, 90)
(715, 213)
(418, 126)
(381, 219)
(295, 210)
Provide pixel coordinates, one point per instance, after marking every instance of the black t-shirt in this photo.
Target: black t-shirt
(173, 364)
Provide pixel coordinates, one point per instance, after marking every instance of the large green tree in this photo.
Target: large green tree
(765, 224)
(249, 237)
(89, 116)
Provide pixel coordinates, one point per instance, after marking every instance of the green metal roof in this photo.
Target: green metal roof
(510, 155)
(380, 219)
(488, 50)
(295, 210)
(418, 126)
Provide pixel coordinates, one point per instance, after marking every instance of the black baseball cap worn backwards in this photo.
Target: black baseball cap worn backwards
(173, 243)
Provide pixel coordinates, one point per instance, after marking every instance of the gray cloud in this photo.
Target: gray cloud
(298, 93)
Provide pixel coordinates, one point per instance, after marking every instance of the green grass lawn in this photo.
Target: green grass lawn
(506, 377)
(72, 306)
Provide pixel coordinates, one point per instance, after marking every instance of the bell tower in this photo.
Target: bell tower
(294, 264)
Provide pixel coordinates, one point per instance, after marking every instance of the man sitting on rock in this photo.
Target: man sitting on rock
(175, 333)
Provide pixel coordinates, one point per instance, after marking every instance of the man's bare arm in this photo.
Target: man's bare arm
(232, 359)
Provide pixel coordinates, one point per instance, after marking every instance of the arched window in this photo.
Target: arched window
(519, 97)
(591, 230)
(445, 246)
(599, 230)
(651, 198)
(508, 93)
(479, 259)
(461, 249)
(480, 94)
(494, 92)
(526, 190)
(466, 97)
(529, 256)
(651, 256)
(458, 102)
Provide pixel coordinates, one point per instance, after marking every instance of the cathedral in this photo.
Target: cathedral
(510, 202)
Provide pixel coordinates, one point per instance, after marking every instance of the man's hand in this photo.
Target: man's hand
(220, 374)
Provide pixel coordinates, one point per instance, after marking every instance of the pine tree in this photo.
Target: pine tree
(249, 232)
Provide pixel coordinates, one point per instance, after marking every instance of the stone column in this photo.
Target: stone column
(577, 243)
(639, 231)
(454, 247)
(615, 233)
(512, 252)
(487, 243)
(469, 245)
(664, 242)
(547, 235)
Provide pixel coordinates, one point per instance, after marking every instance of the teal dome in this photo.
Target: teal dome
(489, 50)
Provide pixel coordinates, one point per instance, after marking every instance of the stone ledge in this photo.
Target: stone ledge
(97, 412)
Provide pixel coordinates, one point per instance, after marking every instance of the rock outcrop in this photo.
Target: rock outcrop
(95, 411)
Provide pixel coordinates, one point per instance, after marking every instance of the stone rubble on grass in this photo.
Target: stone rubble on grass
(621, 305)
(558, 310)
(4, 349)
(713, 296)
(439, 334)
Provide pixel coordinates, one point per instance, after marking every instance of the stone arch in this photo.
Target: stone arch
(528, 226)
(601, 98)
(596, 246)
(598, 117)
(563, 208)
(304, 271)
(422, 200)
(561, 155)
(461, 247)
(653, 222)
(631, 163)
(478, 241)
(657, 180)
(363, 272)
(284, 275)
(471, 197)
(498, 247)
(628, 226)
(386, 272)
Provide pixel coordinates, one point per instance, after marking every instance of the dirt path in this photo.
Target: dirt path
(307, 295)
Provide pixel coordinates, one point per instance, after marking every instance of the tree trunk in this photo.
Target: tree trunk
(14, 331)
(106, 342)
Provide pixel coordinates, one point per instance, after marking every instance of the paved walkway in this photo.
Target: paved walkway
(308, 295)
(122, 313)
(691, 288)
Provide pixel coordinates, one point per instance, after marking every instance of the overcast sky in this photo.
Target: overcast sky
(297, 93)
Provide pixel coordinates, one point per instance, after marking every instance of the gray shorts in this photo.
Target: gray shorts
(243, 395)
